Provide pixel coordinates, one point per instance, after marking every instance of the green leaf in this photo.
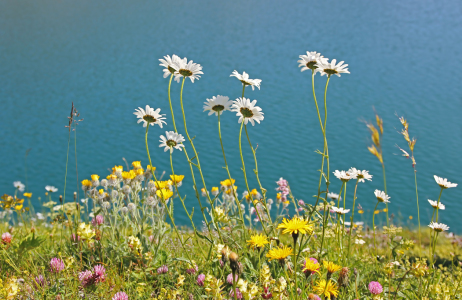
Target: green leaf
(30, 242)
(203, 237)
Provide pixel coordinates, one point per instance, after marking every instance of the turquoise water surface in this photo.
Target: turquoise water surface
(404, 57)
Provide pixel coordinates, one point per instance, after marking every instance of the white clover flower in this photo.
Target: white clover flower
(344, 176)
(171, 140)
(333, 196)
(359, 242)
(247, 111)
(444, 183)
(339, 210)
(51, 189)
(381, 196)
(438, 227)
(310, 61)
(170, 64)
(149, 116)
(244, 78)
(187, 69)
(436, 205)
(19, 185)
(332, 68)
(217, 105)
(360, 175)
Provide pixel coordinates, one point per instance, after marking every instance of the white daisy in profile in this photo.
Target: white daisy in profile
(381, 196)
(187, 69)
(51, 189)
(217, 104)
(149, 116)
(436, 205)
(244, 78)
(360, 175)
(170, 64)
(19, 185)
(333, 196)
(344, 176)
(444, 183)
(247, 111)
(331, 68)
(359, 242)
(310, 61)
(171, 140)
(438, 227)
(339, 210)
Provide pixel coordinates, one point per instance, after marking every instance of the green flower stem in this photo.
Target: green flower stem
(325, 137)
(247, 183)
(437, 205)
(229, 175)
(385, 187)
(338, 205)
(352, 219)
(295, 267)
(196, 156)
(189, 161)
(373, 224)
(162, 194)
(179, 196)
(324, 221)
(418, 210)
(263, 191)
(343, 223)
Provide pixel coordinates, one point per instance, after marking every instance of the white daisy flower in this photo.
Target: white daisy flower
(171, 140)
(333, 196)
(217, 104)
(438, 227)
(436, 205)
(244, 78)
(344, 176)
(19, 185)
(339, 210)
(170, 64)
(247, 111)
(187, 69)
(381, 196)
(444, 183)
(51, 189)
(310, 61)
(332, 68)
(149, 116)
(361, 175)
(359, 242)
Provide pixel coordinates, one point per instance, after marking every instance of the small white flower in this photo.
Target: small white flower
(217, 105)
(339, 210)
(332, 68)
(171, 140)
(170, 64)
(381, 196)
(344, 176)
(149, 116)
(40, 216)
(444, 183)
(333, 196)
(435, 204)
(360, 175)
(84, 201)
(438, 227)
(310, 61)
(247, 111)
(19, 185)
(187, 69)
(244, 78)
(359, 242)
(51, 189)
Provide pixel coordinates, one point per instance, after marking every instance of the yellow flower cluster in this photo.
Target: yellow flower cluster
(213, 287)
(220, 215)
(85, 231)
(135, 244)
(10, 289)
(8, 201)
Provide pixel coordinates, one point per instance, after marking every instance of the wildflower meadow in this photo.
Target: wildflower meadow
(117, 237)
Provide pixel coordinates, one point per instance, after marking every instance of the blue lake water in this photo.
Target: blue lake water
(404, 57)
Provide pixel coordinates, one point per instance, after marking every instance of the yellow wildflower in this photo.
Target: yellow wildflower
(94, 177)
(295, 226)
(135, 244)
(311, 266)
(180, 281)
(28, 195)
(136, 165)
(331, 267)
(116, 169)
(85, 231)
(177, 178)
(328, 289)
(128, 175)
(279, 253)
(227, 183)
(258, 241)
(86, 183)
(164, 193)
